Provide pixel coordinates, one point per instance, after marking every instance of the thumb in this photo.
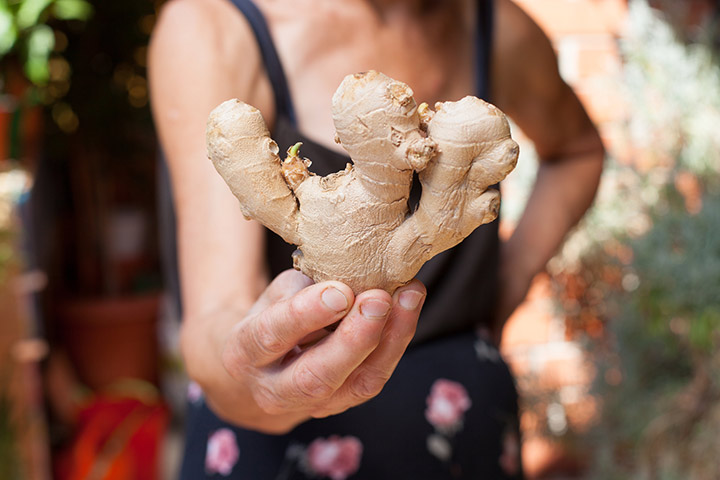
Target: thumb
(285, 285)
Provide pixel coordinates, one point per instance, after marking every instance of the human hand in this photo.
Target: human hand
(293, 369)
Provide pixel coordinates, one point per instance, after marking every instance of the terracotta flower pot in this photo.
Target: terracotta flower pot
(111, 339)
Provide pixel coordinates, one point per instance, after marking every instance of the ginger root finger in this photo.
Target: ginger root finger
(239, 144)
(355, 225)
(476, 152)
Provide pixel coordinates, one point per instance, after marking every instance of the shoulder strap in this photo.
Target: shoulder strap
(283, 102)
(483, 46)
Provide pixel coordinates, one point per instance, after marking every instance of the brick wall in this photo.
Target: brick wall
(585, 34)
(553, 375)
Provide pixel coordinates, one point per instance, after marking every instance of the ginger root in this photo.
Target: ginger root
(355, 225)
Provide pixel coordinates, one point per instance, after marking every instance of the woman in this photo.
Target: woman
(360, 401)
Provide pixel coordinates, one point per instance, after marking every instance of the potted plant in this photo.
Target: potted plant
(29, 41)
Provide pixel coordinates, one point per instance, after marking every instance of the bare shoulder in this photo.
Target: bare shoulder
(528, 87)
(523, 57)
(208, 41)
(198, 21)
(514, 26)
(216, 20)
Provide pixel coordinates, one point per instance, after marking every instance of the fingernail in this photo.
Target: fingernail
(374, 309)
(410, 299)
(334, 299)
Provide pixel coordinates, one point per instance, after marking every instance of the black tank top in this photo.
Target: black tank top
(461, 282)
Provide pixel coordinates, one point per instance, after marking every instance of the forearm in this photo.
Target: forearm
(563, 191)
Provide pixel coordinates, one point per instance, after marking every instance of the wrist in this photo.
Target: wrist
(516, 273)
(517, 266)
(202, 342)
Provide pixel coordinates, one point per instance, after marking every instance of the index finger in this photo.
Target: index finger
(271, 333)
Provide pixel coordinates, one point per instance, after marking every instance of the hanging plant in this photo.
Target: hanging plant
(26, 32)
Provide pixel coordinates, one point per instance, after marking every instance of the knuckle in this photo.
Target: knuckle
(360, 336)
(231, 360)
(296, 307)
(268, 401)
(266, 340)
(235, 359)
(403, 333)
(367, 384)
(309, 383)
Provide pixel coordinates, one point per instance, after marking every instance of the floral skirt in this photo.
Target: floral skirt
(449, 411)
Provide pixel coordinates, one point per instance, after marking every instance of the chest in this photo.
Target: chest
(432, 53)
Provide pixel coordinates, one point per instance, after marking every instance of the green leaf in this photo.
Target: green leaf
(8, 32)
(39, 45)
(72, 9)
(37, 70)
(29, 12)
(40, 41)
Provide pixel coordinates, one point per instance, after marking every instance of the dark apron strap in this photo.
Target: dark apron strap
(483, 47)
(283, 102)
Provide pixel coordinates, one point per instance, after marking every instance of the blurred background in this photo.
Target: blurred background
(615, 349)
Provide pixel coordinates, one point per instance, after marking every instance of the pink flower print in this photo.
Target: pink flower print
(335, 457)
(222, 452)
(446, 405)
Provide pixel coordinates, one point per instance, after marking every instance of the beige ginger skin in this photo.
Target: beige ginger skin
(355, 225)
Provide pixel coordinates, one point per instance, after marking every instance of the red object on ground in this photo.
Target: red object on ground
(116, 439)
